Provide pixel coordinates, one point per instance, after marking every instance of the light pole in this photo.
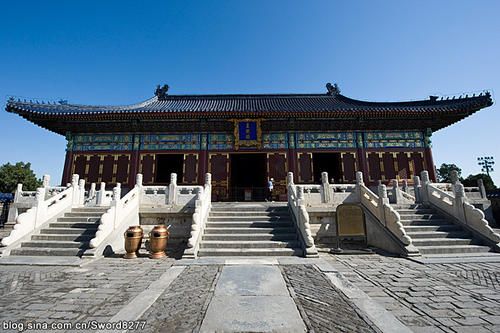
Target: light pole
(486, 163)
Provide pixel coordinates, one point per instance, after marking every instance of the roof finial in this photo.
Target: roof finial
(332, 90)
(161, 93)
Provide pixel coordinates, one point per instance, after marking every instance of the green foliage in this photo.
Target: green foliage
(443, 173)
(471, 180)
(11, 175)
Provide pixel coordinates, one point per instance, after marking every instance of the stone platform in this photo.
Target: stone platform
(348, 293)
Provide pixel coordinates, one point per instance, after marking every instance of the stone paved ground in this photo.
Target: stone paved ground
(182, 306)
(325, 309)
(429, 298)
(93, 292)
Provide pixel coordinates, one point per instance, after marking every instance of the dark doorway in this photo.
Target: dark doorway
(166, 164)
(327, 162)
(248, 173)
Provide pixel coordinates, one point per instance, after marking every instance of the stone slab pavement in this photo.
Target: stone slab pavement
(336, 293)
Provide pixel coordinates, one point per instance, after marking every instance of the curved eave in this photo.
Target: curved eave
(444, 112)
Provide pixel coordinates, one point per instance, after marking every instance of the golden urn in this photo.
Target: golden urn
(158, 239)
(133, 241)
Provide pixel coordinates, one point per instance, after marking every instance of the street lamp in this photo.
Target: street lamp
(486, 163)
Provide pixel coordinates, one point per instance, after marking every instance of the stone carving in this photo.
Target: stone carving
(161, 92)
(332, 89)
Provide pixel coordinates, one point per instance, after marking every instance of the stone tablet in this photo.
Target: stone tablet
(350, 220)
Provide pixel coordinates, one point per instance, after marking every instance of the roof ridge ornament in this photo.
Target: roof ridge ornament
(333, 90)
(161, 92)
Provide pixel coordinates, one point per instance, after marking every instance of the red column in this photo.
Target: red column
(66, 176)
(429, 163)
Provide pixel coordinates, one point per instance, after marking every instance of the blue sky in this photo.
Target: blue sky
(110, 53)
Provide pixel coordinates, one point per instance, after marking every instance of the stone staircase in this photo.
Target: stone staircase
(249, 229)
(434, 234)
(70, 235)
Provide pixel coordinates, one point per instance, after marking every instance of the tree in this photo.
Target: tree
(443, 173)
(11, 175)
(471, 181)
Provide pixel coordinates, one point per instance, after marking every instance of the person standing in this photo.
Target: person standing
(270, 188)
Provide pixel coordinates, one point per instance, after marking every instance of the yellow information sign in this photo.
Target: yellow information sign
(350, 220)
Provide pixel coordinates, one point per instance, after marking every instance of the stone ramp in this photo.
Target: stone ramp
(249, 229)
(69, 235)
(436, 235)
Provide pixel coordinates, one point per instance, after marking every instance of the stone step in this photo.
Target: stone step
(420, 216)
(409, 206)
(216, 208)
(430, 228)
(249, 244)
(249, 230)
(425, 222)
(422, 242)
(250, 252)
(90, 209)
(56, 237)
(78, 219)
(68, 231)
(453, 249)
(78, 225)
(254, 218)
(25, 251)
(84, 214)
(248, 224)
(415, 211)
(438, 234)
(245, 213)
(249, 237)
(55, 244)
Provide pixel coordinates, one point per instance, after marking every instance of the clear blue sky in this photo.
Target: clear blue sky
(110, 53)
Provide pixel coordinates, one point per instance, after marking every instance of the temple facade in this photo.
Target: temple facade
(243, 140)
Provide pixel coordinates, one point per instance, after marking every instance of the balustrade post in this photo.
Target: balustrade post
(425, 182)
(46, 181)
(300, 195)
(75, 190)
(92, 191)
(359, 183)
(405, 185)
(138, 183)
(172, 189)
(13, 210)
(208, 179)
(19, 190)
(117, 195)
(482, 189)
(417, 188)
(325, 188)
(81, 197)
(396, 195)
(101, 194)
(117, 192)
(459, 202)
(382, 200)
(289, 179)
(454, 179)
(41, 207)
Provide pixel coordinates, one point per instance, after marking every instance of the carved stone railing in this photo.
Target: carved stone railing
(203, 204)
(400, 194)
(386, 215)
(122, 213)
(103, 197)
(24, 200)
(296, 204)
(45, 210)
(455, 204)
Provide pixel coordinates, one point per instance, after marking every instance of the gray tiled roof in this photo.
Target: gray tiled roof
(278, 103)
